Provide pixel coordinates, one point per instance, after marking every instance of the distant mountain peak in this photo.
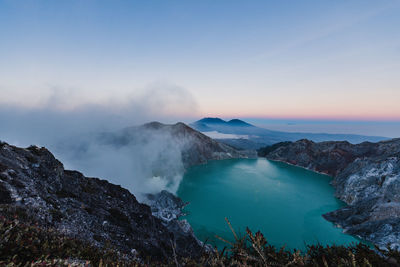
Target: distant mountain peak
(237, 122)
(209, 124)
(216, 120)
(209, 120)
(258, 137)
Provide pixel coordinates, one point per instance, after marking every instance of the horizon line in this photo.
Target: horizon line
(308, 118)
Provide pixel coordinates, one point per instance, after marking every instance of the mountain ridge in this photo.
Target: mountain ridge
(199, 148)
(257, 137)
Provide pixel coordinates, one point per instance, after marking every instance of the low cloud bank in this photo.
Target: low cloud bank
(218, 135)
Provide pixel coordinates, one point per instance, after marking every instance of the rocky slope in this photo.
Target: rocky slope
(366, 176)
(158, 155)
(90, 209)
(196, 148)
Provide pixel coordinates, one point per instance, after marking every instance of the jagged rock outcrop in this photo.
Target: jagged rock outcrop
(165, 205)
(366, 176)
(169, 208)
(90, 209)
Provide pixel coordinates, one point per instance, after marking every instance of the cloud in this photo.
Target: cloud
(218, 135)
(149, 162)
(168, 99)
(64, 111)
(144, 160)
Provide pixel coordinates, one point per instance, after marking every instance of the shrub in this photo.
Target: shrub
(27, 244)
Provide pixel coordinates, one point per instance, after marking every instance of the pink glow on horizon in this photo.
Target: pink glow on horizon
(307, 117)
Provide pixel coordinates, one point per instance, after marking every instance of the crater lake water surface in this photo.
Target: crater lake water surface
(284, 202)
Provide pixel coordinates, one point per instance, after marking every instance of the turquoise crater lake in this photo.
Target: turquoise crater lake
(284, 202)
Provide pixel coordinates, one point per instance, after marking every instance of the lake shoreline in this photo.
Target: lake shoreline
(194, 212)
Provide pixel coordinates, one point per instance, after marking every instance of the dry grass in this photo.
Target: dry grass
(23, 244)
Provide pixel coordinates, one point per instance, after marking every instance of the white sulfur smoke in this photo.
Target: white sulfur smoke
(142, 159)
(88, 138)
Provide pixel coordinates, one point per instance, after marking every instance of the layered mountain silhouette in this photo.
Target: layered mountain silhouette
(243, 135)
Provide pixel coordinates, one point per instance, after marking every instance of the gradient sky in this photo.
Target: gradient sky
(277, 59)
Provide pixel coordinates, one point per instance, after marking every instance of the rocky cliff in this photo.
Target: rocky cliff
(90, 209)
(366, 176)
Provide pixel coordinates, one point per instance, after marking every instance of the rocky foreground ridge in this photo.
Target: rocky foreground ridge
(366, 176)
(35, 183)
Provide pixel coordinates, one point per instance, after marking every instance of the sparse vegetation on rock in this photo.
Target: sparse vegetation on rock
(25, 244)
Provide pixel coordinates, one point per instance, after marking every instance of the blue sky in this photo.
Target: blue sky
(280, 59)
